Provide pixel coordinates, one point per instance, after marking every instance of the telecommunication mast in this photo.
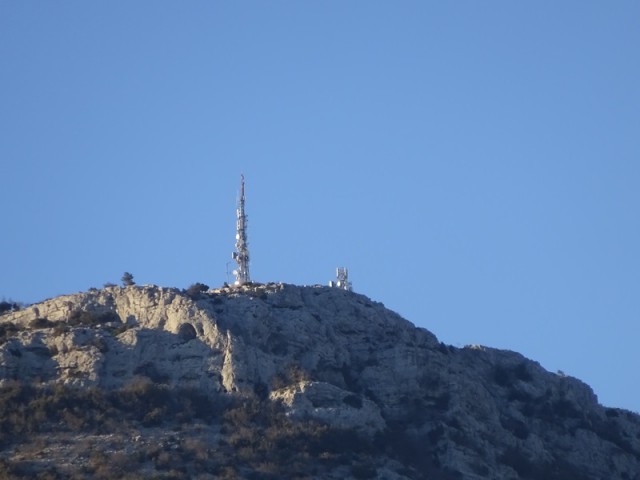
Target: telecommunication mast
(241, 254)
(342, 279)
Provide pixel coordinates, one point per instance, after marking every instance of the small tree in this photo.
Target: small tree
(196, 289)
(127, 279)
(9, 306)
(5, 306)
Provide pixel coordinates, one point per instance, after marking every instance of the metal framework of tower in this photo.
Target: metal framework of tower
(241, 254)
(342, 279)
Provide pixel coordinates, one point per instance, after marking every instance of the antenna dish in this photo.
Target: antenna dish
(342, 279)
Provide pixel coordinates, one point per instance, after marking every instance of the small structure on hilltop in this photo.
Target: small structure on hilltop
(342, 279)
(241, 254)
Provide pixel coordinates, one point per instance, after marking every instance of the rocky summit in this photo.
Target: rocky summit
(282, 381)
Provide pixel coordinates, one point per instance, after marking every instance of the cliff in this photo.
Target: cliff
(326, 356)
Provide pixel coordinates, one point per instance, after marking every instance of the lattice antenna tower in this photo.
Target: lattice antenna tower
(241, 254)
(342, 279)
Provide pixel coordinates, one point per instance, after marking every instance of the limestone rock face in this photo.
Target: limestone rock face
(332, 405)
(337, 357)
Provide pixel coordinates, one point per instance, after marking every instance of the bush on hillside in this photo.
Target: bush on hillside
(196, 290)
(127, 279)
(38, 323)
(6, 331)
(8, 306)
(88, 318)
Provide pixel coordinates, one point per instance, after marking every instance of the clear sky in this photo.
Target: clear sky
(476, 165)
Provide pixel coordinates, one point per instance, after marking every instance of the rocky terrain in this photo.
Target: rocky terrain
(281, 381)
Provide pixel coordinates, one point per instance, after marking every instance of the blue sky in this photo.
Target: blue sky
(474, 164)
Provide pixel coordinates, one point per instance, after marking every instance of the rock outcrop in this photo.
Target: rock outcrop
(337, 357)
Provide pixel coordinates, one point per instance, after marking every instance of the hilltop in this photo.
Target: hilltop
(277, 380)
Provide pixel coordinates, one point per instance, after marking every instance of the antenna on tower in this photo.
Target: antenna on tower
(241, 254)
(342, 279)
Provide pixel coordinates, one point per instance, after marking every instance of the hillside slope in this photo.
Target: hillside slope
(340, 386)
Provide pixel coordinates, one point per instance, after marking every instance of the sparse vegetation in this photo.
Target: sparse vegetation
(148, 428)
(353, 401)
(196, 290)
(38, 323)
(507, 376)
(7, 329)
(127, 279)
(293, 374)
(528, 468)
(9, 306)
(255, 440)
(92, 318)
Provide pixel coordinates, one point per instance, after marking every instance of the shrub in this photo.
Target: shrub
(195, 290)
(127, 279)
(41, 323)
(59, 329)
(501, 376)
(564, 408)
(154, 417)
(292, 374)
(353, 401)
(101, 344)
(115, 331)
(9, 306)
(28, 413)
(152, 373)
(516, 459)
(5, 307)
(7, 330)
(363, 471)
(506, 376)
(198, 448)
(522, 372)
(297, 374)
(278, 381)
(612, 412)
(518, 428)
(442, 402)
(89, 318)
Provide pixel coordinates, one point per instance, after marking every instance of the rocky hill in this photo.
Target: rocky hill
(281, 381)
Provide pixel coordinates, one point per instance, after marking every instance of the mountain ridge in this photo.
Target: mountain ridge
(337, 358)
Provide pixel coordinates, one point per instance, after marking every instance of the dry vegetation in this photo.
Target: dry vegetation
(147, 430)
